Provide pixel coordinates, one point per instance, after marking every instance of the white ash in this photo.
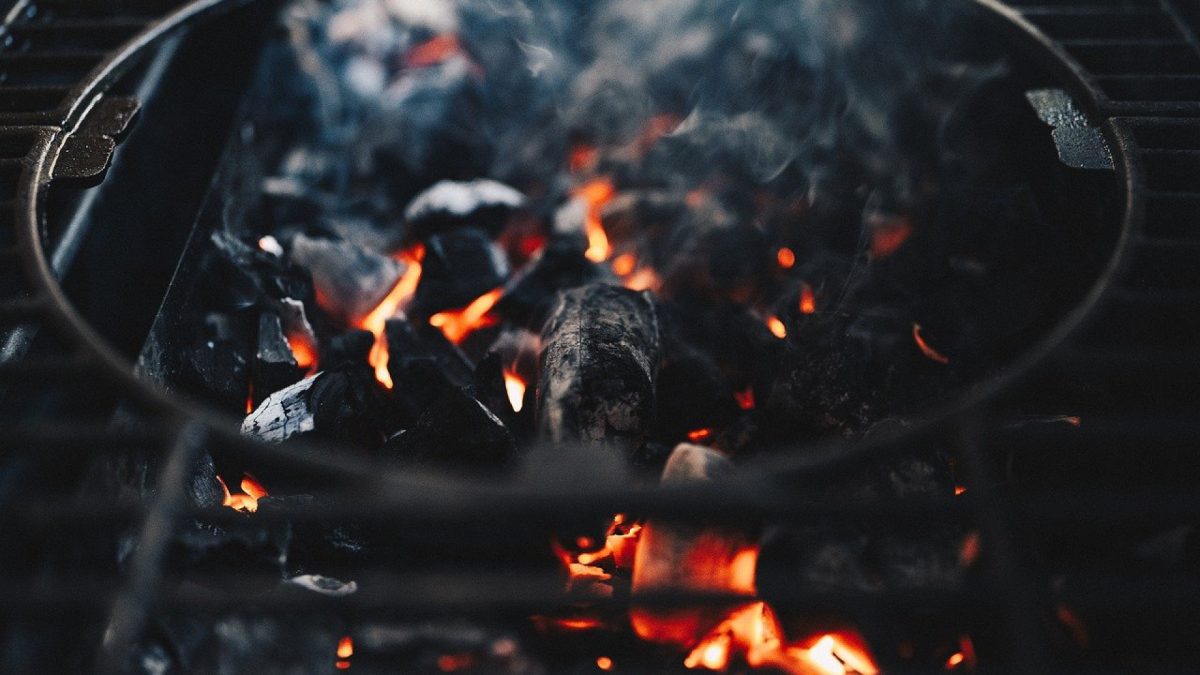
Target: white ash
(462, 198)
(334, 588)
(283, 414)
(350, 280)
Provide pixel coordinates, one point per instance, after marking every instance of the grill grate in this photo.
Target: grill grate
(1130, 373)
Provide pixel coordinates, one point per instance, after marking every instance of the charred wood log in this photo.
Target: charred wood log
(600, 354)
(343, 404)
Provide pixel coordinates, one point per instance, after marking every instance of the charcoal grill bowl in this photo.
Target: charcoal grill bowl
(814, 461)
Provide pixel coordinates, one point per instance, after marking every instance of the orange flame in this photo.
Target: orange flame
(888, 236)
(345, 648)
(583, 156)
(457, 325)
(248, 501)
(624, 264)
(433, 51)
(777, 328)
(808, 299)
(604, 663)
(929, 352)
(303, 350)
(745, 398)
(596, 194)
(515, 387)
(786, 258)
(699, 435)
(376, 321)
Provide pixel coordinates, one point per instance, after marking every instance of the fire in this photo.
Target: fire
(345, 647)
(808, 299)
(929, 352)
(458, 324)
(888, 236)
(375, 322)
(964, 657)
(515, 387)
(433, 51)
(303, 350)
(835, 654)
(786, 258)
(700, 435)
(596, 194)
(252, 491)
(624, 264)
(777, 328)
(604, 663)
(745, 398)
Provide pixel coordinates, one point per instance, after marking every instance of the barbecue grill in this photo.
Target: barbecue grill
(1122, 367)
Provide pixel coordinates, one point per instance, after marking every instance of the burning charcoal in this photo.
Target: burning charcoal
(242, 274)
(283, 414)
(295, 323)
(204, 490)
(456, 433)
(692, 395)
(274, 366)
(351, 347)
(341, 404)
(480, 203)
(686, 557)
(412, 344)
(458, 267)
(600, 353)
(350, 281)
(531, 293)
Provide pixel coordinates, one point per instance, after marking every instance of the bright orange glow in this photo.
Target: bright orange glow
(303, 350)
(887, 237)
(433, 51)
(836, 654)
(345, 648)
(786, 258)
(958, 490)
(776, 327)
(596, 194)
(970, 549)
(250, 400)
(341, 665)
(929, 352)
(1073, 420)
(808, 299)
(458, 324)
(376, 321)
(247, 500)
(956, 659)
(643, 279)
(700, 435)
(515, 387)
(624, 264)
(604, 663)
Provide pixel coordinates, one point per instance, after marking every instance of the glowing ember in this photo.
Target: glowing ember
(970, 549)
(745, 398)
(835, 654)
(433, 51)
(375, 322)
(808, 300)
(700, 435)
(270, 245)
(247, 501)
(775, 325)
(624, 264)
(929, 352)
(457, 325)
(643, 279)
(345, 648)
(583, 157)
(448, 663)
(786, 258)
(888, 236)
(604, 663)
(303, 350)
(515, 387)
(956, 659)
(958, 490)
(596, 194)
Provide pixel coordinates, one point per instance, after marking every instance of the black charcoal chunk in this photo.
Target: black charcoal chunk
(456, 433)
(274, 366)
(416, 349)
(600, 355)
(531, 293)
(458, 267)
(343, 404)
(347, 348)
(480, 203)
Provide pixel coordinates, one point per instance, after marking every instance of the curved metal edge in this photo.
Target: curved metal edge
(810, 460)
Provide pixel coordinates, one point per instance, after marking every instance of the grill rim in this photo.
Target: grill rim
(816, 458)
